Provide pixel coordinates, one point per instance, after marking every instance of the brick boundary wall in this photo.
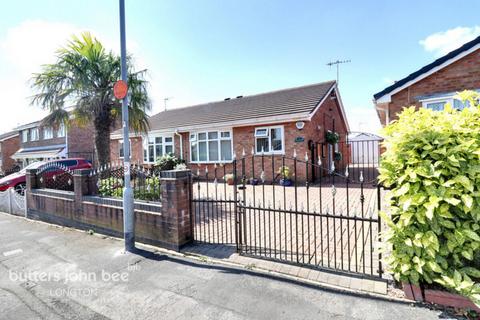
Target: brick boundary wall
(168, 224)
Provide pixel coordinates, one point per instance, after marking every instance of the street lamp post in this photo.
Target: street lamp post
(128, 214)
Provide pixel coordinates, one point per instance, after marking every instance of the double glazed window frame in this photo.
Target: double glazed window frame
(48, 130)
(152, 141)
(61, 132)
(445, 99)
(265, 133)
(25, 135)
(34, 134)
(195, 139)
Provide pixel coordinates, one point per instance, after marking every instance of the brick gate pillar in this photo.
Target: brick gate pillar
(80, 187)
(30, 183)
(176, 206)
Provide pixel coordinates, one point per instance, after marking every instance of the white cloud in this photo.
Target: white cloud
(441, 43)
(23, 50)
(34, 42)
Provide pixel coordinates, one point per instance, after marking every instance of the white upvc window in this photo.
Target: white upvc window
(155, 146)
(438, 103)
(211, 146)
(270, 140)
(61, 132)
(24, 135)
(33, 134)
(47, 133)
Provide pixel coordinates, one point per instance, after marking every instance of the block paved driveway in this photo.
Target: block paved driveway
(270, 229)
(157, 286)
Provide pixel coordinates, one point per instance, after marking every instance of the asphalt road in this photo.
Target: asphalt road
(48, 272)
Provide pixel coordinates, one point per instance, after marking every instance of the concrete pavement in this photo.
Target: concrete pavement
(49, 272)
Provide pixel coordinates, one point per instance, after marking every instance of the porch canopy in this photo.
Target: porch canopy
(45, 152)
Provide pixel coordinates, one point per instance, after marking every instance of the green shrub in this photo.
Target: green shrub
(332, 137)
(110, 187)
(167, 162)
(432, 165)
(337, 156)
(284, 172)
(150, 191)
(181, 166)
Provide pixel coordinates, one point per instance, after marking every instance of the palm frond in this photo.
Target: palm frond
(83, 76)
(56, 118)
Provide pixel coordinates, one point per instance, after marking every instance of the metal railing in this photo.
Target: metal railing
(278, 213)
(55, 176)
(108, 181)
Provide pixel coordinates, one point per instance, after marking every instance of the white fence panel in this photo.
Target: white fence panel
(12, 202)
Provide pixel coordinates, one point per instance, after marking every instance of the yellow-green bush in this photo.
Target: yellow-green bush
(432, 165)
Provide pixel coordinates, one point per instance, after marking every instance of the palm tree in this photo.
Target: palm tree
(79, 86)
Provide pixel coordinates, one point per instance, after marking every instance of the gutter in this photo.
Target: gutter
(386, 110)
(181, 143)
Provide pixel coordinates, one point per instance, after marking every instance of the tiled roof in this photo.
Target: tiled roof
(299, 100)
(8, 135)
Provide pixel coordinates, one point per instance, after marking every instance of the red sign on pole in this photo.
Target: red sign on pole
(120, 89)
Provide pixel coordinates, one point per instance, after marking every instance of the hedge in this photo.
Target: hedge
(432, 166)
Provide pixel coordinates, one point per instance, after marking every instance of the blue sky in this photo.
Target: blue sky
(200, 51)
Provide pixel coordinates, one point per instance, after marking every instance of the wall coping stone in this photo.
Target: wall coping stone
(175, 174)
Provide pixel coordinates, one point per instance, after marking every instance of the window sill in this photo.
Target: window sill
(211, 162)
(278, 153)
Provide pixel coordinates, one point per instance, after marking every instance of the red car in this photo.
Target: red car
(18, 180)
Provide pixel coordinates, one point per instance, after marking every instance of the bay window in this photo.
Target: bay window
(269, 140)
(155, 147)
(211, 146)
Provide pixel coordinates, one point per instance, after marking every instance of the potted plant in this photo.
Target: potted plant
(253, 181)
(332, 137)
(229, 178)
(337, 156)
(285, 174)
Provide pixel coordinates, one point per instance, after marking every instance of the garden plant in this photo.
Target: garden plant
(432, 167)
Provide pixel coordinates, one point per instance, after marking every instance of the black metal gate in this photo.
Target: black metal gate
(269, 206)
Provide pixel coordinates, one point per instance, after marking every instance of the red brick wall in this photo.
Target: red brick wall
(168, 225)
(9, 147)
(136, 146)
(460, 75)
(81, 142)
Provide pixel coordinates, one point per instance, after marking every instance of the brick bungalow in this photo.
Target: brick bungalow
(39, 142)
(433, 85)
(9, 144)
(276, 123)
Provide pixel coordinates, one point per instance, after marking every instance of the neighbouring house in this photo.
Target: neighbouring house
(39, 142)
(433, 85)
(9, 144)
(275, 123)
